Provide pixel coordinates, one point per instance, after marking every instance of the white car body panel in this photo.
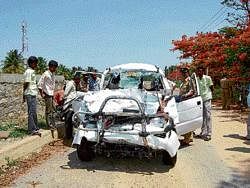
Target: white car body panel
(186, 115)
(125, 133)
(189, 113)
(170, 143)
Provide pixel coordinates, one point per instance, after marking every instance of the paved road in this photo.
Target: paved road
(197, 166)
(221, 162)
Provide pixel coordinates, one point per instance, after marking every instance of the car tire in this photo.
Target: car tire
(168, 160)
(84, 150)
(69, 125)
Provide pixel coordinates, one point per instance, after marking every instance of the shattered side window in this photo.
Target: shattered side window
(107, 79)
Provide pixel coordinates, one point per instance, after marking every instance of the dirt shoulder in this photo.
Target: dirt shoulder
(222, 162)
(229, 131)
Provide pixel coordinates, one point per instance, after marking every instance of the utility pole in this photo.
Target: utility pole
(24, 48)
(24, 38)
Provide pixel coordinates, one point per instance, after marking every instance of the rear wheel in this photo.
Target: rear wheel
(168, 160)
(84, 150)
(68, 125)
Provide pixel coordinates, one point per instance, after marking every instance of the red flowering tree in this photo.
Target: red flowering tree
(220, 53)
(224, 52)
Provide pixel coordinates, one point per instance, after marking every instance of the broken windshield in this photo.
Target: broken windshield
(133, 79)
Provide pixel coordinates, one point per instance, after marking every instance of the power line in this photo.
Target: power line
(215, 20)
(211, 19)
(219, 23)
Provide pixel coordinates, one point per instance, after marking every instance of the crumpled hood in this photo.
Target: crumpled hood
(92, 101)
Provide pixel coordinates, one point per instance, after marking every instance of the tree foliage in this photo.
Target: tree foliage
(241, 14)
(13, 62)
(64, 71)
(41, 65)
(220, 53)
(224, 52)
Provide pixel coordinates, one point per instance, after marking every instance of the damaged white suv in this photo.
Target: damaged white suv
(123, 118)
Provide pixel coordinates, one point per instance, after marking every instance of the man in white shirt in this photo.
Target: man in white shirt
(71, 87)
(29, 94)
(206, 88)
(46, 86)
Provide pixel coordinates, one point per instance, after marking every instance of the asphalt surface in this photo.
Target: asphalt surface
(222, 162)
(197, 166)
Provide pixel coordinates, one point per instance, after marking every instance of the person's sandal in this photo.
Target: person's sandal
(201, 136)
(207, 138)
(36, 133)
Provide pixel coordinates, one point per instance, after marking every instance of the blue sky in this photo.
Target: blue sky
(103, 33)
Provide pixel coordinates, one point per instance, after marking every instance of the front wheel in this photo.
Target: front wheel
(168, 160)
(84, 151)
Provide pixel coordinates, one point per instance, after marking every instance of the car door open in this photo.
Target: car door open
(190, 111)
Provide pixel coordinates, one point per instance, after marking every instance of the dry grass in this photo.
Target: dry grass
(8, 173)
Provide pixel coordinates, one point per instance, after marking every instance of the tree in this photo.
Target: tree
(41, 65)
(241, 15)
(92, 69)
(64, 71)
(220, 53)
(224, 52)
(13, 63)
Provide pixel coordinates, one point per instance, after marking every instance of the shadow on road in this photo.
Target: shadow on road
(236, 136)
(239, 149)
(233, 116)
(240, 178)
(128, 165)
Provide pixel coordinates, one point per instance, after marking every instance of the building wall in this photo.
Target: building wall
(12, 109)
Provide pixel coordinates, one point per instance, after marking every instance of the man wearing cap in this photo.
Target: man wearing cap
(187, 86)
(186, 92)
(46, 86)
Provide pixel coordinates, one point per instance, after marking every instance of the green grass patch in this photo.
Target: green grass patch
(7, 126)
(11, 162)
(15, 130)
(18, 133)
(42, 124)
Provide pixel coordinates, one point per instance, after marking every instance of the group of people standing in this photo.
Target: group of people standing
(206, 88)
(45, 87)
(188, 90)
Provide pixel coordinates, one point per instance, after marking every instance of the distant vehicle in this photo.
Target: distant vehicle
(123, 120)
